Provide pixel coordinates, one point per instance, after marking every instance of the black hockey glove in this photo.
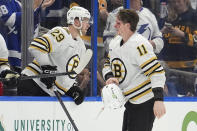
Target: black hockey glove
(48, 69)
(77, 94)
(11, 77)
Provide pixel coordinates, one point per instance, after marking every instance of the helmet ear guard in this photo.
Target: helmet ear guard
(112, 96)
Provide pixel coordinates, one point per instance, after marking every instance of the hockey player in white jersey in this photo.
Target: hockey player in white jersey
(147, 26)
(133, 65)
(59, 50)
(5, 71)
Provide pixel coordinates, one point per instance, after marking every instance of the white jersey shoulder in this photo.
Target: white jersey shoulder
(115, 42)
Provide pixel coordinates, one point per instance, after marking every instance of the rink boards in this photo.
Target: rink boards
(46, 114)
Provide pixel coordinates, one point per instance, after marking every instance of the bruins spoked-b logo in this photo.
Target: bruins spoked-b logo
(118, 69)
(71, 65)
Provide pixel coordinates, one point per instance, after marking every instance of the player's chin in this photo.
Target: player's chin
(84, 32)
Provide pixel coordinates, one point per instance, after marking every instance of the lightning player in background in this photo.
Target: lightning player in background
(5, 71)
(59, 50)
(10, 18)
(139, 74)
(147, 26)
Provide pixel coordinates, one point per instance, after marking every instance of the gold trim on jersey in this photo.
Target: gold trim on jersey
(68, 32)
(142, 85)
(38, 48)
(48, 41)
(152, 68)
(148, 62)
(149, 90)
(60, 87)
(157, 72)
(181, 64)
(33, 70)
(41, 41)
(36, 63)
(3, 60)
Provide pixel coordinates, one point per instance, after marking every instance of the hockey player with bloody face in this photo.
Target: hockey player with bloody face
(133, 65)
(59, 50)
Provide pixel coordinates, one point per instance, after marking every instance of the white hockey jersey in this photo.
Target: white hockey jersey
(147, 26)
(136, 67)
(3, 55)
(63, 51)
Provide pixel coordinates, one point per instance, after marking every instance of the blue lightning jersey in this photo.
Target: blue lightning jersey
(10, 17)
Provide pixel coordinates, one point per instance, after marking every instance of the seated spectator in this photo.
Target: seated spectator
(180, 52)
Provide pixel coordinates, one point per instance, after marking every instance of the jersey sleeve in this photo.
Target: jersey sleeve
(41, 47)
(150, 66)
(157, 35)
(7, 15)
(11, 17)
(106, 71)
(3, 55)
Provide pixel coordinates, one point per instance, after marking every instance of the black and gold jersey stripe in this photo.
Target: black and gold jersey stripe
(151, 67)
(29, 67)
(42, 44)
(3, 62)
(139, 91)
(137, 88)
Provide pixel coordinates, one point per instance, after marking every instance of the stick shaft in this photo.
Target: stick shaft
(65, 110)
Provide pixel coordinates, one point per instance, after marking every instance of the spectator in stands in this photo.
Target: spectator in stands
(147, 26)
(10, 17)
(180, 49)
(109, 17)
(52, 15)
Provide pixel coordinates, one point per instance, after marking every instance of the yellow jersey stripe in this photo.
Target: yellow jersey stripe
(157, 72)
(3, 60)
(137, 87)
(147, 62)
(60, 87)
(33, 70)
(42, 42)
(38, 48)
(149, 90)
(150, 70)
(49, 43)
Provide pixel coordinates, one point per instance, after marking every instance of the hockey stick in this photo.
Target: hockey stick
(82, 64)
(65, 109)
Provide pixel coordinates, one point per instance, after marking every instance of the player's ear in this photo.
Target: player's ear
(128, 25)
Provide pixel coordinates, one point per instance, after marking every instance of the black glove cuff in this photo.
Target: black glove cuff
(109, 75)
(77, 94)
(158, 93)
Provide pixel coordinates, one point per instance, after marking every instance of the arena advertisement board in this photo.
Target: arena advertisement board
(46, 114)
